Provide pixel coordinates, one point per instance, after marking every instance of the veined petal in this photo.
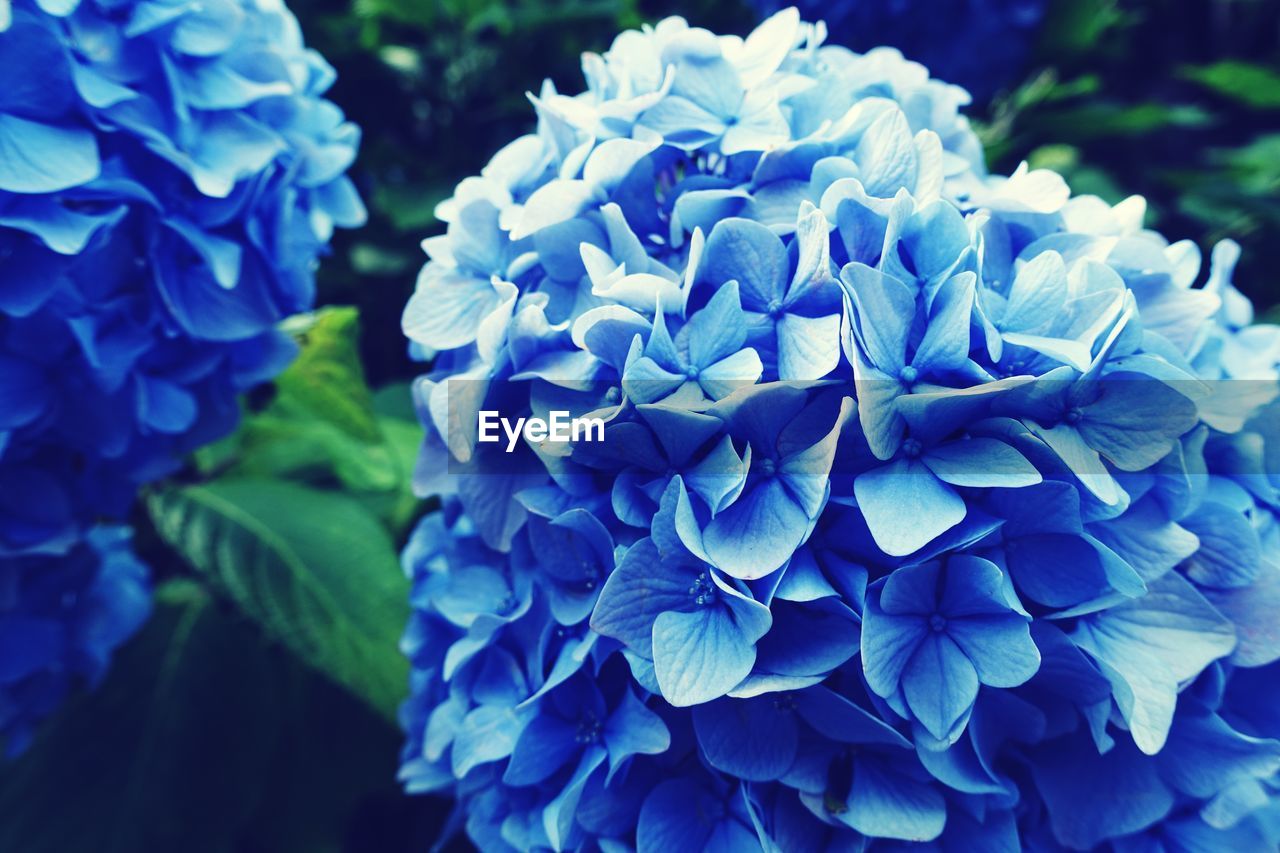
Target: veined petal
(906, 506)
(699, 656)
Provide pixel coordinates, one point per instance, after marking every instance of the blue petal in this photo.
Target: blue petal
(1056, 569)
(553, 203)
(971, 586)
(1092, 797)
(642, 587)
(447, 308)
(886, 155)
(719, 478)
(1205, 755)
(1000, 648)
(700, 656)
(756, 534)
(1150, 646)
(1037, 295)
(718, 330)
(946, 340)
(677, 815)
(205, 309)
(752, 739)
(808, 347)
(633, 729)
(906, 506)
(65, 230)
(888, 644)
(730, 374)
(1145, 538)
(558, 817)
(1252, 610)
(1230, 553)
(488, 734)
(1082, 459)
(43, 158)
(30, 646)
(1136, 420)
(24, 392)
(808, 639)
(683, 123)
(884, 804)
(981, 462)
(749, 253)
(806, 473)
(885, 308)
(545, 745)
(208, 28)
(835, 717)
(940, 685)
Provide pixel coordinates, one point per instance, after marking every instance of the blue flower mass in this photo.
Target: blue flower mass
(932, 506)
(169, 173)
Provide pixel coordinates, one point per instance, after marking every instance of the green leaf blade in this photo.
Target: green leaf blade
(316, 570)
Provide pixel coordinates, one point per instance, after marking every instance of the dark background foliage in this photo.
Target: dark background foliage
(256, 712)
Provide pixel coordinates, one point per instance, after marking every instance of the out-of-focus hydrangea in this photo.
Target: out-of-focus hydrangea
(932, 505)
(169, 174)
(940, 35)
(61, 617)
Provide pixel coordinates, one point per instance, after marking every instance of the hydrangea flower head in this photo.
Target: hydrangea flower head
(169, 174)
(929, 506)
(61, 617)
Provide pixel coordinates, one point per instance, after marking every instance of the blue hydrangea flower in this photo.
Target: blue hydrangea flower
(61, 617)
(168, 178)
(930, 505)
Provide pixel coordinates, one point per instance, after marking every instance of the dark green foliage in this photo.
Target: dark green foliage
(1176, 100)
(205, 739)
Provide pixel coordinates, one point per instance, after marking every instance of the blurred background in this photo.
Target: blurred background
(256, 712)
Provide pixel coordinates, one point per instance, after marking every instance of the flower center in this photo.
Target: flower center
(775, 308)
(1074, 415)
(703, 590)
(911, 448)
(938, 622)
(909, 375)
(691, 372)
(589, 730)
(767, 467)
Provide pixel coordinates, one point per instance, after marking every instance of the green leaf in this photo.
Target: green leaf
(1255, 86)
(282, 445)
(370, 259)
(325, 428)
(1097, 119)
(315, 569)
(203, 739)
(1077, 26)
(326, 380)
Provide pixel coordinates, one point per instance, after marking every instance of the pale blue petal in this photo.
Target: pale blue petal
(906, 506)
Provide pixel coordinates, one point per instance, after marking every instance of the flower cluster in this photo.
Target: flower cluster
(63, 615)
(932, 505)
(169, 174)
